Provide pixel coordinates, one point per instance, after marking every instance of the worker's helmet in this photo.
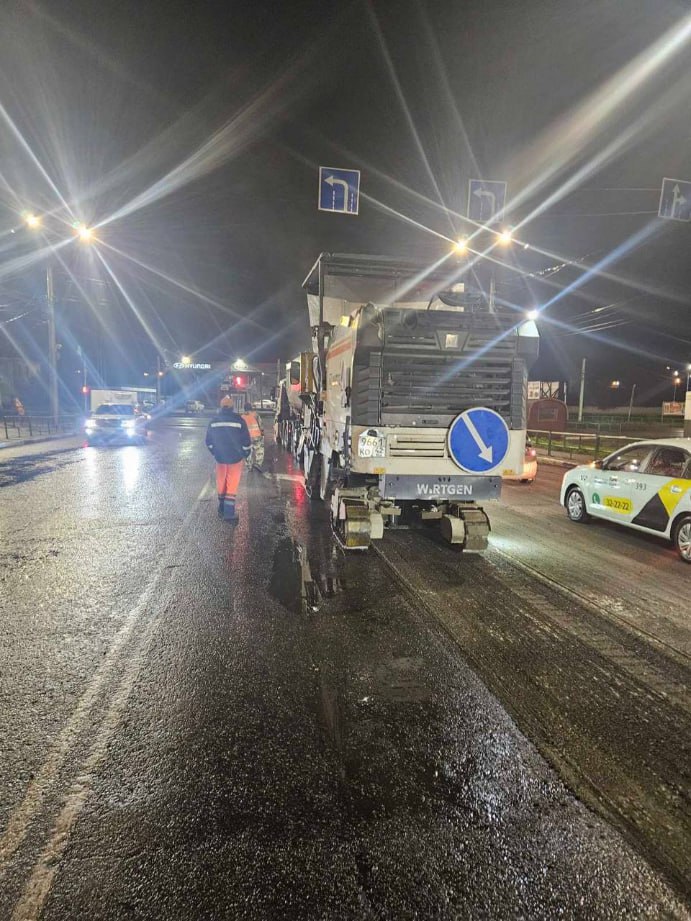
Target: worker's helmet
(248, 407)
(226, 403)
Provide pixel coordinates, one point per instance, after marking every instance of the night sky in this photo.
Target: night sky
(191, 135)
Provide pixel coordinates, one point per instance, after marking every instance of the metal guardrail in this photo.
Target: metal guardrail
(587, 444)
(30, 426)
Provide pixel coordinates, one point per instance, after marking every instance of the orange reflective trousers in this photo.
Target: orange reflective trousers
(228, 480)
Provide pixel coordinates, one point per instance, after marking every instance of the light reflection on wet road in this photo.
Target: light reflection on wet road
(205, 722)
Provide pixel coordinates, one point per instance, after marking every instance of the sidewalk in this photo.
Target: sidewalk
(561, 459)
(36, 439)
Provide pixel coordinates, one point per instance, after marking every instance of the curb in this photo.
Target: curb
(555, 461)
(20, 442)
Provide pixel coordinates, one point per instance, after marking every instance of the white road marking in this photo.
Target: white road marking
(38, 886)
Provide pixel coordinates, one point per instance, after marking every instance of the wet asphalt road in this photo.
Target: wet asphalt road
(207, 722)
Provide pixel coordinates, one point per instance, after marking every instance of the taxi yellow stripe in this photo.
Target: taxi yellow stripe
(672, 493)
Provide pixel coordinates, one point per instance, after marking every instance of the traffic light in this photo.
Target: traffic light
(86, 390)
(240, 381)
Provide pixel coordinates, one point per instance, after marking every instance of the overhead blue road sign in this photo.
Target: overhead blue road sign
(486, 200)
(478, 440)
(339, 190)
(675, 200)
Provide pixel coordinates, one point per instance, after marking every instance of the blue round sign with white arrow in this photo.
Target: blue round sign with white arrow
(478, 440)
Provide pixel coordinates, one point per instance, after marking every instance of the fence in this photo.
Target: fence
(30, 426)
(638, 426)
(586, 444)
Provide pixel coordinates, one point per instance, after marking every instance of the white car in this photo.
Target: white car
(528, 471)
(116, 423)
(646, 486)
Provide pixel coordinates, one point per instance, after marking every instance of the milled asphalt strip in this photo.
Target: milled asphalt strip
(21, 818)
(680, 655)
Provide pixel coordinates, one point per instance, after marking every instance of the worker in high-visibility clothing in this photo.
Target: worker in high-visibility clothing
(256, 430)
(228, 439)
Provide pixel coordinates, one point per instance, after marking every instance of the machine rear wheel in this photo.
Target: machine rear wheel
(314, 477)
(325, 479)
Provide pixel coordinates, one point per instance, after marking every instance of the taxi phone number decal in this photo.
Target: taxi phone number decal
(617, 504)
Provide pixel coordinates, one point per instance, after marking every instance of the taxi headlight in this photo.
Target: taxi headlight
(89, 425)
(129, 424)
(371, 444)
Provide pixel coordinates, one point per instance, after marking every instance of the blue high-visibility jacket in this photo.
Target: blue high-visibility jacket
(228, 437)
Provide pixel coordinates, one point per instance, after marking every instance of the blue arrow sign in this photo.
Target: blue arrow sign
(339, 190)
(675, 200)
(486, 200)
(478, 440)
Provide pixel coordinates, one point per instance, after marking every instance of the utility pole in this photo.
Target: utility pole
(580, 397)
(52, 348)
(633, 392)
(158, 379)
(85, 386)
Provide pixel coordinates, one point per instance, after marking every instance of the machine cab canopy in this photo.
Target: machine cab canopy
(347, 282)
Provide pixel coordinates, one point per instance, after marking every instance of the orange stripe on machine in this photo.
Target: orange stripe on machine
(337, 349)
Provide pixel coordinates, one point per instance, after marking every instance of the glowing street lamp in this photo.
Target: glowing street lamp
(84, 233)
(532, 314)
(32, 221)
(461, 245)
(239, 364)
(186, 360)
(506, 236)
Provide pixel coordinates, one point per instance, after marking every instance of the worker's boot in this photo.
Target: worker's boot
(220, 508)
(229, 510)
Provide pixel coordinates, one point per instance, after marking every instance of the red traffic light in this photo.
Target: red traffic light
(86, 390)
(239, 381)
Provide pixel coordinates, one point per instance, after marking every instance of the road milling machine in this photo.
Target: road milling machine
(413, 402)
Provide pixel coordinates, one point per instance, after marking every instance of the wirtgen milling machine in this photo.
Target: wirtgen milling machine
(414, 399)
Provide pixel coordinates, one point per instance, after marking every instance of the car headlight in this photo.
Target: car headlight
(128, 424)
(89, 425)
(371, 444)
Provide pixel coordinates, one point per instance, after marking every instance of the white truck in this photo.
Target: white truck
(405, 358)
(122, 397)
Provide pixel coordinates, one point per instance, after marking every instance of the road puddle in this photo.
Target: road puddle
(23, 469)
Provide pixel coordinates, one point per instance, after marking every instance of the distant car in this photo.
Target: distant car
(194, 406)
(528, 471)
(116, 423)
(265, 404)
(646, 486)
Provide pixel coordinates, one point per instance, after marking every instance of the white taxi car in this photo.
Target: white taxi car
(646, 485)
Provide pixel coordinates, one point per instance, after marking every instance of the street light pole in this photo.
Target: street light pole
(581, 395)
(633, 393)
(52, 348)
